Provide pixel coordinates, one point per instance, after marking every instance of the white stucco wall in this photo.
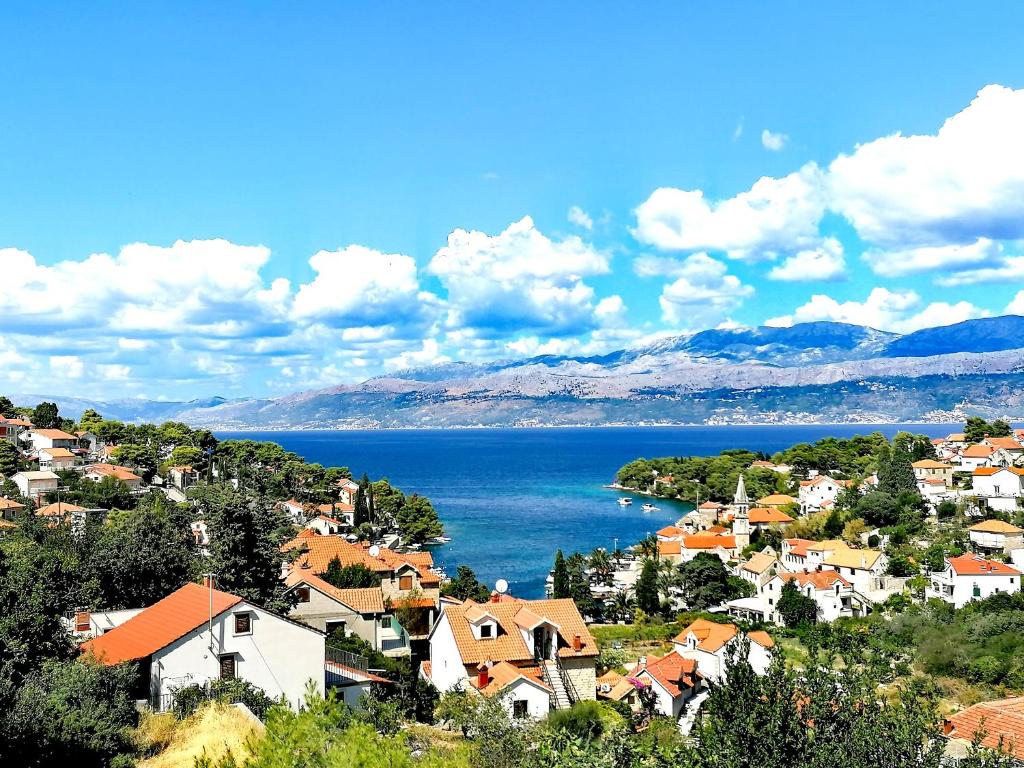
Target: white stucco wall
(277, 655)
(321, 609)
(447, 669)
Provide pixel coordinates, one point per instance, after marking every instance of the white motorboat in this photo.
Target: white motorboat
(649, 508)
(625, 501)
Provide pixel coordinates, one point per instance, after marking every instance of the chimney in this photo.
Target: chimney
(483, 675)
(82, 621)
(495, 597)
(947, 727)
(577, 643)
(209, 582)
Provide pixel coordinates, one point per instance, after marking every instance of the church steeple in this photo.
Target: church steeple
(740, 500)
(740, 516)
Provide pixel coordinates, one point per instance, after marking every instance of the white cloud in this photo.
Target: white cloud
(981, 253)
(359, 286)
(775, 216)
(1016, 305)
(67, 366)
(518, 280)
(823, 263)
(963, 183)
(883, 309)
(701, 292)
(773, 141)
(580, 218)
(737, 132)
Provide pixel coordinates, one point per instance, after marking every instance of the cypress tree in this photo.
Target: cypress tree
(561, 576)
(647, 599)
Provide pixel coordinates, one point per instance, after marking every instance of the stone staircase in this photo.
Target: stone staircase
(689, 716)
(560, 697)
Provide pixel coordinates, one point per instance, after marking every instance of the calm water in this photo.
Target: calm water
(510, 497)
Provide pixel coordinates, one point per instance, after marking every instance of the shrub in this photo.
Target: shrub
(584, 719)
(188, 699)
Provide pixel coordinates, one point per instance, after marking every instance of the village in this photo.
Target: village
(358, 612)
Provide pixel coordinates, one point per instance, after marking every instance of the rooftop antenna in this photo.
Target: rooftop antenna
(501, 586)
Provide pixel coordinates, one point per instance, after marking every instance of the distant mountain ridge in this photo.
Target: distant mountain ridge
(821, 371)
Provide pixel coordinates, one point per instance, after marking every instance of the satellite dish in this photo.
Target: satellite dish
(374, 551)
(501, 586)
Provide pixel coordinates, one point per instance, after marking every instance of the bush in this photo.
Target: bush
(584, 719)
(188, 699)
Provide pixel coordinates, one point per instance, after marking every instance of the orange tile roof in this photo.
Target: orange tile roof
(10, 504)
(112, 470)
(799, 547)
(710, 635)
(317, 552)
(759, 562)
(995, 526)
(717, 529)
(956, 437)
(502, 674)
(54, 434)
(669, 547)
(988, 471)
(159, 625)
(1000, 721)
(364, 600)
(762, 638)
(508, 645)
(818, 579)
(59, 509)
(57, 453)
(776, 500)
(978, 451)
(671, 671)
(1006, 443)
(671, 530)
(930, 464)
(761, 515)
(974, 565)
(703, 541)
(710, 505)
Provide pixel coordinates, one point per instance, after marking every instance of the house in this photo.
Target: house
(794, 553)
(997, 724)
(684, 550)
(611, 686)
(819, 491)
(709, 512)
(34, 484)
(344, 514)
(998, 488)
(97, 472)
(971, 577)
(929, 469)
(1009, 446)
(88, 440)
(347, 491)
(10, 509)
(762, 518)
(405, 578)
(995, 537)
(360, 612)
(50, 438)
(328, 526)
(296, 510)
(11, 429)
(62, 511)
(976, 456)
(863, 568)
(760, 568)
(538, 654)
(777, 501)
(174, 646)
(670, 533)
(673, 678)
(182, 477)
(819, 551)
(56, 459)
(711, 645)
(834, 595)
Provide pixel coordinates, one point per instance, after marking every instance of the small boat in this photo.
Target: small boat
(649, 508)
(442, 539)
(625, 501)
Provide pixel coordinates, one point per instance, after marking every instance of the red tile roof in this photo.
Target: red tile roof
(974, 565)
(671, 671)
(819, 579)
(762, 515)
(317, 552)
(702, 541)
(978, 451)
(1001, 720)
(159, 625)
(361, 600)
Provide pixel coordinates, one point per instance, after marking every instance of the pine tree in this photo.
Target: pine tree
(560, 587)
(896, 473)
(646, 588)
(360, 501)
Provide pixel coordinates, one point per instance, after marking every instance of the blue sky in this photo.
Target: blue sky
(252, 198)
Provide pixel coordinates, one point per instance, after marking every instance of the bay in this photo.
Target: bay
(510, 497)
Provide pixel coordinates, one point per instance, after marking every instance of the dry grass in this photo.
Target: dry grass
(214, 729)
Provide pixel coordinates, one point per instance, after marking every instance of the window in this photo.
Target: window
(334, 626)
(486, 630)
(385, 622)
(227, 667)
(976, 590)
(405, 582)
(302, 593)
(520, 709)
(243, 623)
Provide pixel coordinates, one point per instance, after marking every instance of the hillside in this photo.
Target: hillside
(824, 372)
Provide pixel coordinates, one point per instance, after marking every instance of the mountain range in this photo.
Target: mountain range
(809, 372)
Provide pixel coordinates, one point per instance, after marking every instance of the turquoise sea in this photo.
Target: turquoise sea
(510, 497)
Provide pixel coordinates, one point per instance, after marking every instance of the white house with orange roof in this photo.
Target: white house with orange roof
(834, 594)
(975, 456)
(12, 429)
(794, 553)
(711, 645)
(777, 501)
(173, 645)
(673, 679)
(819, 491)
(50, 438)
(998, 487)
(56, 459)
(762, 518)
(1010, 447)
(98, 472)
(689, 546)
(361, 612)
(538, 654)
(930, 469)
(995, 537)
(35, 483)
(971, 577)
(864, 568)
(347, 488)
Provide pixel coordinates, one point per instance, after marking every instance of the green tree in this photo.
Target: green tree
(579, 585)
(896, 472)
(946, 509)
(355, 576)
(417, 520)
(878, 509)
(796, 608)
(705, 581)
(834, 524)
(465, 586)
(560, 586)
(8, 459)
(46, 416)
(141, 458)
(977, 429)
(646, 588)
(601, 566)
(6, 407)
(360, 501)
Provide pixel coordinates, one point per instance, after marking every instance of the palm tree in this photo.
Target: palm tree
(618, 556)
(668, 578)
(601, 566)
(622, 605)
(647, 547)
